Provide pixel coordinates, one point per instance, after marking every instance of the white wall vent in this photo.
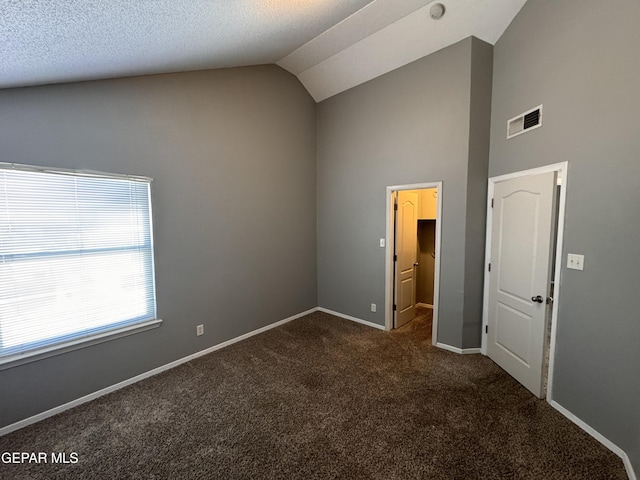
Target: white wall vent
(529, 120)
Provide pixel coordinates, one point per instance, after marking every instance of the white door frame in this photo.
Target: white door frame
(562, 169)
(390, 248)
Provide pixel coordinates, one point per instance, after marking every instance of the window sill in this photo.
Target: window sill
(41, 353)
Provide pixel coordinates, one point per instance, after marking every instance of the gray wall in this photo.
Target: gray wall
(583, 64)
(232, 153)
(408, 126)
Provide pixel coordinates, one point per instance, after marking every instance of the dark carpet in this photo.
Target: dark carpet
(319, 397)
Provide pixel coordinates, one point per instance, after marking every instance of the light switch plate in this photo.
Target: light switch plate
(382, 243)
(575, 261)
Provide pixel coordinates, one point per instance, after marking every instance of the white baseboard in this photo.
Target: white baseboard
(461, 351)
(92, 396)
(599, 437)
(349, 317)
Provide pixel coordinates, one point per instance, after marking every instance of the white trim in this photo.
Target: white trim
(557, 280)
(92, 396)
(425, 305)
(599, 437)
(461, 351)
(29, 356)
(563, 169)
(349, 317)
(388, 268)
(532, 171)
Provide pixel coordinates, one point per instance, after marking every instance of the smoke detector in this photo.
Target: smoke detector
(437, 11)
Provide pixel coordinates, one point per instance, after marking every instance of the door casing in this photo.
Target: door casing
(390, 248)
(562, 169)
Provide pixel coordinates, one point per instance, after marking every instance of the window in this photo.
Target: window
(76, 258)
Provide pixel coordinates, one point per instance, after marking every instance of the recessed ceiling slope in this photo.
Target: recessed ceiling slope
(52, 41)
(384, 35)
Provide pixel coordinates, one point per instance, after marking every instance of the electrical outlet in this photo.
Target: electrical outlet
(373, 307)
(575, 261)
(200, 330)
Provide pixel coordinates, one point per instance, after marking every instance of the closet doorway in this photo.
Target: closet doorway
(413, 253)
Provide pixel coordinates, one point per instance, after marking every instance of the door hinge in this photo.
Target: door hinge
(489, 266)
(492, 203)
(395, 258)
(395, 206)
(394, 308)
(486, 329)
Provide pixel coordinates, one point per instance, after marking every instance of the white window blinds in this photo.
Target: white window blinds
(76, 256)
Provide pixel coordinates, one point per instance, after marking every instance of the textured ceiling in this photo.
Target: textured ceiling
(331, 45)
(51, 41)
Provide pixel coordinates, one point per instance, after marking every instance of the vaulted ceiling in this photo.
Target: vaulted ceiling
(331, 45)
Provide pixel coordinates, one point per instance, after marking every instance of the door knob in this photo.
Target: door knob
(537, 299)
(415, 264)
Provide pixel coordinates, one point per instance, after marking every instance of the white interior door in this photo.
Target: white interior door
(406, 251)
(521, 254)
